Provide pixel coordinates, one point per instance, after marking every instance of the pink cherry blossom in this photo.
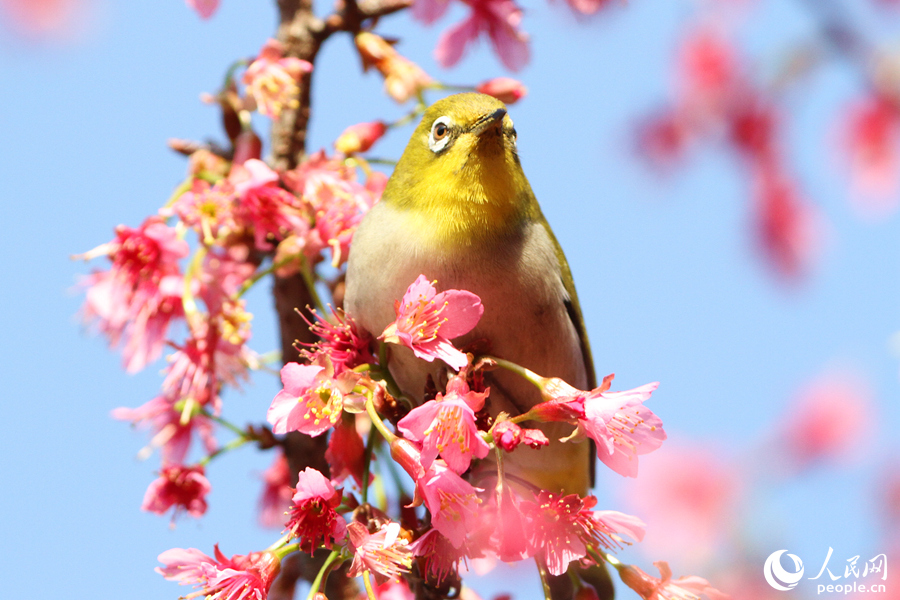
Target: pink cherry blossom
(446, 426)
(384, 553)
(202, 364)
(828, 418)
(237, 578)
(312, 517)
(587, 7)
(871, 143)
(272, 78)
(204, 8)
(787, 226)
(403, 79)
(427, 321)
(429, 11)
(498, 19)
(617, 421)
(346, 453)
(504, 89)
(689, 497)
(341, 339)
(452, 502)
(438, 558)
(622, 427)
(57, 20)
(185, 488)
(665, 588)
(312, 400)
(137, 299)
(207, 209)
(277, 492)
(263, 207)
(562, 527)
(173, 429)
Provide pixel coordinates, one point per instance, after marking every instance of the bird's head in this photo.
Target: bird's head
(461, 168)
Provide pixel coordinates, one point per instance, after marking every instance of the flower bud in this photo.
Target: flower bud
(360, 137)
(408, 456)
(247, 145)
(505, 89)
(507, 435)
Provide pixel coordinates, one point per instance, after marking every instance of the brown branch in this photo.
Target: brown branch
(302, 34)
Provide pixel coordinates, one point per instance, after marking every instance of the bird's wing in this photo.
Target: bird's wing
(574, 308)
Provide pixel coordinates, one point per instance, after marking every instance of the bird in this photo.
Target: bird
(459, 210)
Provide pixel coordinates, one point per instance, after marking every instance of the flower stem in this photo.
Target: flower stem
(183, 187)
(378, 423)
(367, 460)
(187, 296)
(542, 571)
(528, 374)
(367, 582)
(309, 278)
(245, 287)
(232, 445)
(323, 573)
(227, 425)
(281, 542)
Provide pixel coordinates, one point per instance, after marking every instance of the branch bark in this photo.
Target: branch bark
(302, 34)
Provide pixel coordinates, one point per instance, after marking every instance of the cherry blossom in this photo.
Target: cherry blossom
(312, 517)
(427, 320)
(209, 209)
(827, 418)
(265, 208)
(617, 421)
(508, 436)
(562, 527)
(237, 578)
(504, 89)
(498, 19)
(436, 555)
(272, 78)
(185, 488)
(871, 143)
(383, 553)
(446, 426)
(665, 588)
(687, 492)
(204, 8)
(137, 299)
(312, 400)
(341, 339)
(452, 502)
(173, 428)
(403, 79)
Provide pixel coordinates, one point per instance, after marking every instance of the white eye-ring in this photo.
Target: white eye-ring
(440, 134)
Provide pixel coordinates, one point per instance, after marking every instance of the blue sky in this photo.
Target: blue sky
(669, 280)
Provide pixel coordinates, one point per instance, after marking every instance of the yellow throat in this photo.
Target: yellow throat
(460, 175)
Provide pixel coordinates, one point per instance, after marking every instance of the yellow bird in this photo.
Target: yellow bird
(459, 210)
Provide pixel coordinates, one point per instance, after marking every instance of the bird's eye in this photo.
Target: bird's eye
(440, 134)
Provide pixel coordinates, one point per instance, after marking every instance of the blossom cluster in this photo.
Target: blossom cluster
(161, 291)
(340, 390)
(178, 281)
(716, 98)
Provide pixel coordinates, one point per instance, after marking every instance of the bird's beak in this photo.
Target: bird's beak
(487, 121)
